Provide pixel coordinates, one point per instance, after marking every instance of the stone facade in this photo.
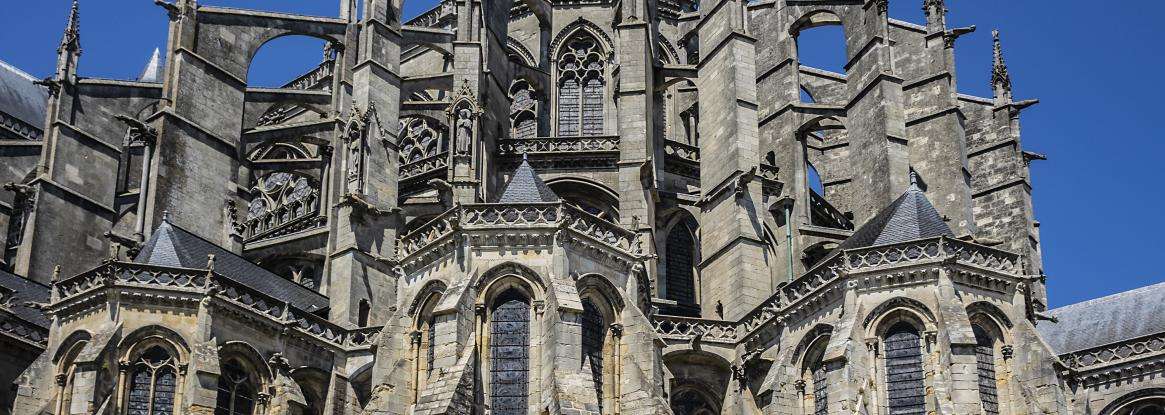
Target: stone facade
(543, 207)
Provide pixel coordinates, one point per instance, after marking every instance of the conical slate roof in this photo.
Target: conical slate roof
(172, 246)
(908, 218)
(526, 187)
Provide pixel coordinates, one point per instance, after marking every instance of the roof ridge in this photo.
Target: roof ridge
(4, 64)
(1110, 297)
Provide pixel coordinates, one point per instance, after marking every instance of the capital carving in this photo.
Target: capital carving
(1007, 351)
(799, 385)
(415, 337)
(617, 330)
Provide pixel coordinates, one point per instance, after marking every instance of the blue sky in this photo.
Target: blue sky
(1099, 198)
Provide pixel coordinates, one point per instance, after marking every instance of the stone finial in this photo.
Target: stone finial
(936, 14)
(1000, 79)
(71, 41)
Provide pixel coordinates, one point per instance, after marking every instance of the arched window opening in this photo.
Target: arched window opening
(814, 377)
(282, 61)
(425, 342)
(680, 268)
(822, 47)
(509, 348)
(985, 364)
(236, 390)
(581, 87)
(594, 335)
(152, 383)
(523, 110)
(588, 197)
(905, 387)
(691, 401)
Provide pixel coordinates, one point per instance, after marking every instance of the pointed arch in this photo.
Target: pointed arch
(581, 56)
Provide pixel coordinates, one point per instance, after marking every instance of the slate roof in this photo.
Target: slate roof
(172, 246)
(908, 218)
(526, 187)
(25, 290)
(1106, 320)
(20, 97)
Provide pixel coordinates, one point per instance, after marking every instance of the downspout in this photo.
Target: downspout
(788, 205)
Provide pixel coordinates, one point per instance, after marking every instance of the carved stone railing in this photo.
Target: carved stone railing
(894, 255)
(681, 158)
(20, 128)
(312, 79)
(824, 277)
(824, 214)
(559, 145)
(686, 328)
(20, 329)
(131, 274)
(433, 230)
(552, 215)
(1124, 351)
(981, 256)
(298, 215)
(612, 235)
(362, 337)
(435, 16)
(495, 215)
(421, 167)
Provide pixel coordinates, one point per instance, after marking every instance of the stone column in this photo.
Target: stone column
(735, 275)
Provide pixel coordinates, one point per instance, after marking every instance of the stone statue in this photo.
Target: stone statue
(464, 130)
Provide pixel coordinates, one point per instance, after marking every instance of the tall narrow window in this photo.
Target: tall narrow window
(904, 377)
(681, 285)
(594, 333)
(431, 339)
(509, 344)
(820, 389)
(152, 383)
(581, 88)
(985, 360)
(236, 391)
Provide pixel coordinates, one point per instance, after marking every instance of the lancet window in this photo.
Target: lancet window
(236, 390)
(509, 345)
(152, 382)
(581, 87)
(904, 376)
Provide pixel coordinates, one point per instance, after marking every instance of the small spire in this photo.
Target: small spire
(524, 157)
(153, 70)
(71, 41)
(165, 216)
(1000, 78)
(914, 180)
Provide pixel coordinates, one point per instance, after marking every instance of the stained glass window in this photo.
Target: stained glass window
(151, 384)
(985, 362)
(904, 377)
(820, 389)
(581, 88)
(509, 344)
(594, 332)
(236, 394)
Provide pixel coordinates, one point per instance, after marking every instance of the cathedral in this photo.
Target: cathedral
(542, 207)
